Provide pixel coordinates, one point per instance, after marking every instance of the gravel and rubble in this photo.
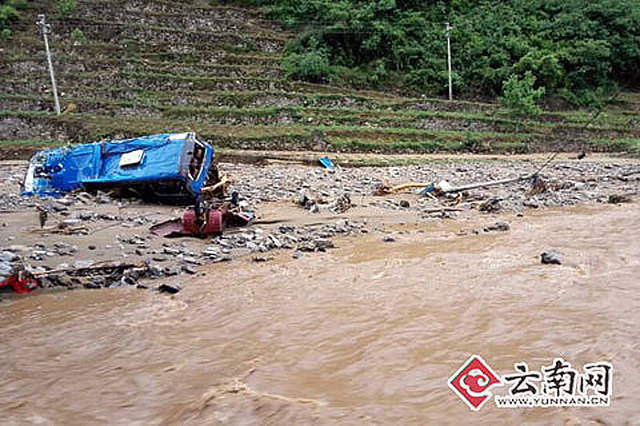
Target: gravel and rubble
(96, 241)
(567, 182)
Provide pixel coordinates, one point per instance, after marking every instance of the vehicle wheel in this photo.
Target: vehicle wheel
(200, 207)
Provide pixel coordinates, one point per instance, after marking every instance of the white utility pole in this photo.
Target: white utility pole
(45, 29)
(449, 60)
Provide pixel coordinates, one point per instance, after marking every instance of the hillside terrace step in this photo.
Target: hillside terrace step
(315, 108)
(212, 20)
(369, 132)
(71, 66)
(78, 54)
(174, 7)
(148, 41)
(275, 103)
(82, 128)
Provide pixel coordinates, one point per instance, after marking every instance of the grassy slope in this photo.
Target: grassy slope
(217, 73)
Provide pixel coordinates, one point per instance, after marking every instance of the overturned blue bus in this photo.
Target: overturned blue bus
(169, 167)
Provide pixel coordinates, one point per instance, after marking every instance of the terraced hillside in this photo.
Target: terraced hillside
(131, 67)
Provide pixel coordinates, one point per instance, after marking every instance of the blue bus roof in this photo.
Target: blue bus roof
(149, 158)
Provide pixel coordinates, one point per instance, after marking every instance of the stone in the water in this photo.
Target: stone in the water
(172, 270)
(320, 244)
(551, 257)
(498, 227)
(155, 271)
(490, 206)
(81, 264)
(190, 269)
(171, 288)
(7, 256)
(92, 285)
(619, 199)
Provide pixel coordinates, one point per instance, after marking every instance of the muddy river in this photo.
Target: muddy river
(367, 333)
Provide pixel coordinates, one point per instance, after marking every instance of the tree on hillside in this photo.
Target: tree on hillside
(574, 48)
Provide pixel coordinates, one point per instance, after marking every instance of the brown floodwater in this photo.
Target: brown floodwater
(367, 333)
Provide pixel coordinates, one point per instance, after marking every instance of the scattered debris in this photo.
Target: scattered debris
(191, 224)
(538, 185)
(171, 288)
(619, 199)
(444, 187)
(385, 188)
(261, 259)
(328, 164)
(205, 219)
(320, 244)
(492, 205)
(82, 214)
(42, 215)
(341, 204)
(551, 257)
(21, 281)
(496, 227)
(307, 203)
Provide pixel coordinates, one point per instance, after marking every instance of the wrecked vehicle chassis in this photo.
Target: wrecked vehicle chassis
(167, 168)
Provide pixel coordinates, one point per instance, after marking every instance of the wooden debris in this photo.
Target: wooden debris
(441, 210)
(66, 230)
(385, 188)
(444, 188)
(224, 180)
(102, 268)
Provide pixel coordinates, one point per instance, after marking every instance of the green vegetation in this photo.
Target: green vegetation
(578, 49)
(9, 13)
(66, 7)
(520, 96)
(30, 142)
(311, 66)
(77, 35)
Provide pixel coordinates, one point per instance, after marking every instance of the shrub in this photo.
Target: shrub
(77, 35)
(9, 12)
(519, 95)
(311, 64)
(66, 7)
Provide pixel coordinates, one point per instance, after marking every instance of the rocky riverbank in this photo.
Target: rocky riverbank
(95, 241)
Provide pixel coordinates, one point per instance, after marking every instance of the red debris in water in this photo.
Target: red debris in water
(20, 284)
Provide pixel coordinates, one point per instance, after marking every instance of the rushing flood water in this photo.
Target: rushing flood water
(367, 333)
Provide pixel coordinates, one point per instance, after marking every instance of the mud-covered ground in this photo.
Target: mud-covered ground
(83, 231)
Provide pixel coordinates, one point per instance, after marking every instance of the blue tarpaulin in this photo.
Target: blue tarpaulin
(155, 158)
(328, 164)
